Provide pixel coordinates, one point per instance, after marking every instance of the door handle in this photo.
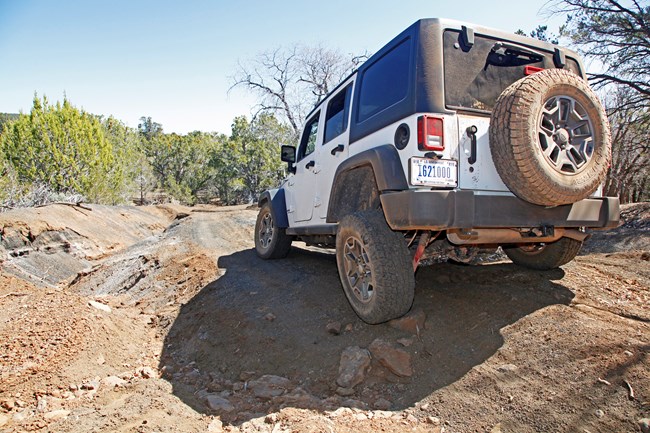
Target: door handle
(471, 133)
(337, 149)
(310, 164)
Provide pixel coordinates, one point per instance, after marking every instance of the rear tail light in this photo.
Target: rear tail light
(430, 133)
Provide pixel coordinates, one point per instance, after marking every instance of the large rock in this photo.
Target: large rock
(98, 305)
(215, 426)
(114, 382)
(269, 386)
(333, 328)
(147, 372)
(56, 415)
(301, 398)
(353, 366)
(382, 404)
(397, 360)
(412, 322)
(219, 404)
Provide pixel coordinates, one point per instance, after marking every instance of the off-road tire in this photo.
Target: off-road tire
(382, 261)
(535, 162)
(545, 257)
(271, 242)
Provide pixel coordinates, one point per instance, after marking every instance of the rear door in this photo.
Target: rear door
(336, 138)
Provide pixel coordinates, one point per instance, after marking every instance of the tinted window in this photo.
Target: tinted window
(309, 137)
(385, 82)
(475, 77)
(336, 121)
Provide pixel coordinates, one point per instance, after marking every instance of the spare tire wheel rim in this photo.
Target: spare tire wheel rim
(357, 269)
(566, 135)
(266, 231)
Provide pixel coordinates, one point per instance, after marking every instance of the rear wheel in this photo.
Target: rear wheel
(374, 266)
(271, 242)
(544, 256)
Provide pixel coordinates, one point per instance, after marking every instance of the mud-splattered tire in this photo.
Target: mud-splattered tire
(271, 242)
(550, 138)
(546, 256)
(374, 266)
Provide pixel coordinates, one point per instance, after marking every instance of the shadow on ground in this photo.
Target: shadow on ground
(269, 318)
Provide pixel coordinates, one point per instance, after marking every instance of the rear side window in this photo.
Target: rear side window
(338, 108)
(385, 82)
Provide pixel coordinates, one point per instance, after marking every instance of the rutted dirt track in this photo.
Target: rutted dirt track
(163, 319)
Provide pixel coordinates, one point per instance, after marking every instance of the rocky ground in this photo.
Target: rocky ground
(162, 319)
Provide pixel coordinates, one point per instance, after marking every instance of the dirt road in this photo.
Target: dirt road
(171, 323)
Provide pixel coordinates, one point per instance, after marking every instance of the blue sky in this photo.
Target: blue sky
(173, 60)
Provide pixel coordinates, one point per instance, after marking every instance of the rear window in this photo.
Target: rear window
(476, 76)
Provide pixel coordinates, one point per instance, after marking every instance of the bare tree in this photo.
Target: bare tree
(616, 34)
(290, 81)
(629, 174)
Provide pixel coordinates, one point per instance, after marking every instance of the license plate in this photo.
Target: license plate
(434, 172)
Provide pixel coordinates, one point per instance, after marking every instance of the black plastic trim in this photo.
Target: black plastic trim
(337, 149)
(467, 38)
(361, 178)
(559, 58)
(386, 164)
(313, 230)
(440, 210)
(402, 136)
(278, 206)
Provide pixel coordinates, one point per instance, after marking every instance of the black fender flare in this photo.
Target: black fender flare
(278, 206)
(386, 166)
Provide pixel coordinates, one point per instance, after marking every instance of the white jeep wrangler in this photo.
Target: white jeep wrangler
(453, 135)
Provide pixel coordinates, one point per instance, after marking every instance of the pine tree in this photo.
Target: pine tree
(62, 148)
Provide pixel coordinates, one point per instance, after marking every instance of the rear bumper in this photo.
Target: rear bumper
(441, 210)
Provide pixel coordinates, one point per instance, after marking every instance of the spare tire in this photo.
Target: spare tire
(550, 138)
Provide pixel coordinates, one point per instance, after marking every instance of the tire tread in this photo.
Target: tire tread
(513, 141)
(392, 267)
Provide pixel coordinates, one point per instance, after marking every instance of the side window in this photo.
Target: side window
(309, 137)
(336, 120)
(385, 82)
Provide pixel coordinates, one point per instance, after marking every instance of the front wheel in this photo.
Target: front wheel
(271, 242)
(374, 266)
(544, 256)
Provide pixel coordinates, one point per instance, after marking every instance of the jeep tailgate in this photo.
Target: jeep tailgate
(476, 170)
